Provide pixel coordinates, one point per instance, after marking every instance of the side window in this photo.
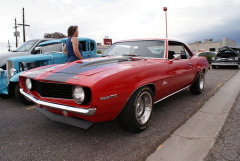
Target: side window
(187, 53)
(4, 67)
(84, 45)
(92, 46)
(176, 49)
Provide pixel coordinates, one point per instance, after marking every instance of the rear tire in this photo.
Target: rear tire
(21, 97)
(137, 113)
(198, 86)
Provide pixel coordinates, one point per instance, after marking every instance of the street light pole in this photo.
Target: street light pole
(165, 10)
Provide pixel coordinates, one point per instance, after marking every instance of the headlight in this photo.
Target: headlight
(236, 58)
(12, 72)
(78, 94)
(213, 58)
(28, 84)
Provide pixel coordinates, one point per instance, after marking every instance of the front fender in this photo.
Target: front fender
(15, 78)
(3, 84)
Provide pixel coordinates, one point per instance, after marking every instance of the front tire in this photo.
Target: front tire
(137, 113)
(22, 98)
(198, 86)
(3, 96)
(214, 66)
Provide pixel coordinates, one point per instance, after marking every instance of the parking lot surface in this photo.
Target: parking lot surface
(27, 135)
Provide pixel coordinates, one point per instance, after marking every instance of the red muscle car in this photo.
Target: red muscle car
(123, 84)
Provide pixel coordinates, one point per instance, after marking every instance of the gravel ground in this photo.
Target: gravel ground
(227, 145)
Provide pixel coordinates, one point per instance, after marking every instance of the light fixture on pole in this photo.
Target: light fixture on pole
(165, 10)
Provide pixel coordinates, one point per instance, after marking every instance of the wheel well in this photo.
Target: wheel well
(204, 70)
(153, 88)
(11, 88)
(151, 85)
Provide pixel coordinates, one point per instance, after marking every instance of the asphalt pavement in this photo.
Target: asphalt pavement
(27, 135)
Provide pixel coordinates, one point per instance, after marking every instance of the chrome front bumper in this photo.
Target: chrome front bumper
(89, 111)
(226, 63)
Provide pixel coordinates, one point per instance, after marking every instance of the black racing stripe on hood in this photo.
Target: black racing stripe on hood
(64, 76)
(89, 65)
(60, 77)
(78, 68)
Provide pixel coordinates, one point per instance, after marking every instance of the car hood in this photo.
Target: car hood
(84, 68)
(5, 56)
(93, 66)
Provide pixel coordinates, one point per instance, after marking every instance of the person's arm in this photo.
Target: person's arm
(64, 49)
(75, 47)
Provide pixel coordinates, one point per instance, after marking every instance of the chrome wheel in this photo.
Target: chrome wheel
(143, 107)
(202, 81)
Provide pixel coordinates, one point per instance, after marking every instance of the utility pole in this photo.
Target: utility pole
(23, 24)
(16, 33)
(9, 47)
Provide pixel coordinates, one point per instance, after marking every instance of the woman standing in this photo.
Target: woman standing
(73, 48)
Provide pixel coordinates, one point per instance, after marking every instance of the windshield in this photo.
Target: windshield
(145, 48)
(26, 46)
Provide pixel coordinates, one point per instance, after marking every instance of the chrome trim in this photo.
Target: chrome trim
(89, 111)
(226, 64)
(171, 94)
(9, 66)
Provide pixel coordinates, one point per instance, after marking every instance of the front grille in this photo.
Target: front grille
(53, 90)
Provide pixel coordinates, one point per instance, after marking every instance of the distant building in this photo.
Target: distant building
(102, 48)
(209, 45)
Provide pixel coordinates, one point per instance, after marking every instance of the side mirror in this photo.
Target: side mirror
(37, 50)
(177, 56)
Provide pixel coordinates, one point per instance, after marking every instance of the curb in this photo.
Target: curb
(193, 140)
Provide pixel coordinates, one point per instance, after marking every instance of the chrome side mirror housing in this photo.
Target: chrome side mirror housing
(177, 56)
(37, 48)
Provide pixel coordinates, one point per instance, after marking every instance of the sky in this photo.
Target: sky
(188, 20)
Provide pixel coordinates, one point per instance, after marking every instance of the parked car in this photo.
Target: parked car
(51, 54)
(123, 84)
(28, 48)
(208, 55)
(227, 56)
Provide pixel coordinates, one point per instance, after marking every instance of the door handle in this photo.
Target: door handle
(190, 64)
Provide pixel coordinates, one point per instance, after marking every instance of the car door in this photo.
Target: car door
(180, 70)
(92, 47)
(86, 53)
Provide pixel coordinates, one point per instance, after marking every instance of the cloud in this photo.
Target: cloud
(188, 20)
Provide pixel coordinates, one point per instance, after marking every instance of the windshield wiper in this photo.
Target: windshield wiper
(106, 55)
(132, 55)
